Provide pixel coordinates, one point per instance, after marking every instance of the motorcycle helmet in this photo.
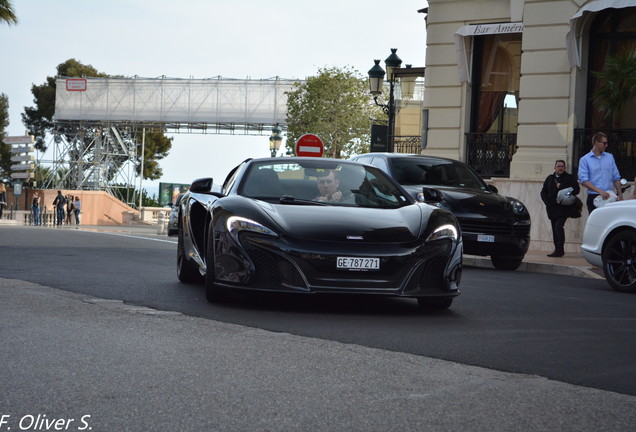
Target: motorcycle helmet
(566, 197)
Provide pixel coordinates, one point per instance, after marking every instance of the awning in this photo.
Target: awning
(574, 38)
(463, 43)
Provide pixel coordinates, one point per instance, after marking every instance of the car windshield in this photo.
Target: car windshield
(321, 182)
(435, 172)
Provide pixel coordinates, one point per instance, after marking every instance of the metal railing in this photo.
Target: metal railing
(490, 154)
(622, 145)
(407, 144)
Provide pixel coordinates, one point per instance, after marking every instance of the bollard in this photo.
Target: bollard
(161, 222)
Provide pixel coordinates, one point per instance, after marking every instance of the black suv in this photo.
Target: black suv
(492, 225)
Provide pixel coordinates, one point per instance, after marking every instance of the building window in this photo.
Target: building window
(497, 62)
(612, 33)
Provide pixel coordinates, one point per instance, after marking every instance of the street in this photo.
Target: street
(573, 331)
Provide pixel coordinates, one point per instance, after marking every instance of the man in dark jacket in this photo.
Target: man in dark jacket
(558, 213)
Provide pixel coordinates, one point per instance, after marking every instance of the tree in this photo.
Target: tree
(7, 14)
(158, 145)
(618, 86)
(5, 149)
(39, 119)
(336, 106)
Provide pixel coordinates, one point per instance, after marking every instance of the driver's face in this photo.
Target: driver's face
(328, 185)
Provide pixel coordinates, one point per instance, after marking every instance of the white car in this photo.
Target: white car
(609, 242)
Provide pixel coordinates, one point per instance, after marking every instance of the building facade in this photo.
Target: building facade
(512, 85)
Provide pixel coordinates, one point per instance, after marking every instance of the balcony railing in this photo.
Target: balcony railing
(622, 145)
(490, 154)
(407, 144)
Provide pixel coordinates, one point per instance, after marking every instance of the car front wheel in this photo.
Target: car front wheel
(185, 272)
(619, 261)
(213, 293)
(506, 263)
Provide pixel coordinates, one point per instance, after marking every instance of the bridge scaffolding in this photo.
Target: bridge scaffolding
(99, 122)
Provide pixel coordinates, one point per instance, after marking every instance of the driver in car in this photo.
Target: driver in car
(328, 187)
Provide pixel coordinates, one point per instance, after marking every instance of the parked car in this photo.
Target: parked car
(275, 226)
(492, 225)
(173, 219)
(609, 242)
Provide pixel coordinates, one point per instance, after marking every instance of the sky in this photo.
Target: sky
(199, 39)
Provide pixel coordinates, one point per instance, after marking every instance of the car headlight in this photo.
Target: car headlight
(517, 207)
(236, 224)
(443, 232)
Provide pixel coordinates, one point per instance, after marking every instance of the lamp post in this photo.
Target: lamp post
(376, 81)
(406, 78)
(275, 140)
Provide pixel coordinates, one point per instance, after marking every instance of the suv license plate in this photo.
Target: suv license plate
(485, 238)
(352, 263)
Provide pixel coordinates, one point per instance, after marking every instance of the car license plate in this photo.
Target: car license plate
(485, 238)
(352, 263)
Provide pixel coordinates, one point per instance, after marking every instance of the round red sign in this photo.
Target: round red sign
(309, 145)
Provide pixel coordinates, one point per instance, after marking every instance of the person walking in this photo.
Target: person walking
(598, 172)
(77, 208)
(58, 203)
(69, 209)
(3, 197)
(558, 211)
(35, 208)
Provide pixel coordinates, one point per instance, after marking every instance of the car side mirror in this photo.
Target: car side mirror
(492, 188)
(430, 195)
(202, 185)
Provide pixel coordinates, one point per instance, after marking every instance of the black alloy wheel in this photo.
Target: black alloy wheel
(213, 293)
(185, 272)
(619, 261)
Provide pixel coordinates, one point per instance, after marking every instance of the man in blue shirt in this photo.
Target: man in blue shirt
(598, 172)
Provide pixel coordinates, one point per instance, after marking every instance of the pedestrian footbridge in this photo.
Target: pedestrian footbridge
(100, 123)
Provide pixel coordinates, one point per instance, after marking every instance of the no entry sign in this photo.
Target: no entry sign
(309, 145)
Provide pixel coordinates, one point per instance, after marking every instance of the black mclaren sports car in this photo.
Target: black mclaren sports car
(492, 225)
(317, 225)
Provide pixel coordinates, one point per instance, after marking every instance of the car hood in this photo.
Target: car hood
(335, 223)
(470, 202)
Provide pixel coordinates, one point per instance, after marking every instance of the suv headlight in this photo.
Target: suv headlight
(518, 208)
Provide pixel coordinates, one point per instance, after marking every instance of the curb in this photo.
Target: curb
(535, 267)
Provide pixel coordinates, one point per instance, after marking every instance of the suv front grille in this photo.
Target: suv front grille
(492, 226)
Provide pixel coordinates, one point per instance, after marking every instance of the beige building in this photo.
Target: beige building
(509, 87)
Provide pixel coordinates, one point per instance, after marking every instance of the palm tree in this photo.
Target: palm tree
(7, 14)
(617, 86)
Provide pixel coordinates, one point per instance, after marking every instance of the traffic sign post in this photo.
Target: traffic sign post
(309, 145)
(21, 148)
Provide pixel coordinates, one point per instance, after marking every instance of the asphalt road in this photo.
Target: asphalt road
(568, 329)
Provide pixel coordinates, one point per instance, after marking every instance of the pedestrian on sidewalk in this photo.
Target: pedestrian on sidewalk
(58, 204)
(35, 208)
(558, 209)
(3, 197)
(598, 172)
(70, 206)
(77, 207)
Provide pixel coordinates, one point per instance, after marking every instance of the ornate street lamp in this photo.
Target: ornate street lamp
(275, 140)
(376, 79)
(406, 76)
